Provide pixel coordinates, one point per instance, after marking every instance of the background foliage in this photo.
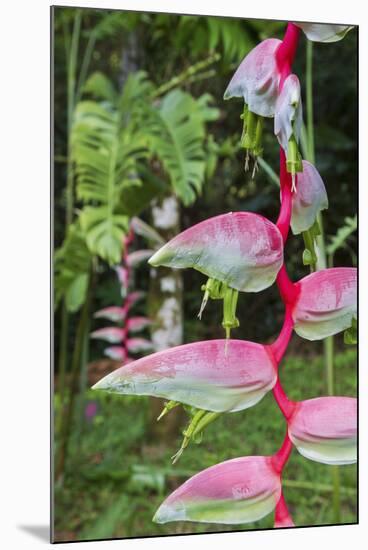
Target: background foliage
(138, 113)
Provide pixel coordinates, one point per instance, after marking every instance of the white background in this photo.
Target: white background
(25, 319)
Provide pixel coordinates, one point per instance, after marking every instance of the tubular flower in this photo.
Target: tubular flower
(240, 490)
(288, 122)
(325, 429)
(317, 32)
(326, 303)
(310, 199)
(209, 375)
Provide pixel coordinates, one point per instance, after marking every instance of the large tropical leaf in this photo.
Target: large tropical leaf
(176, 129)
(107, 148)
(72, 269)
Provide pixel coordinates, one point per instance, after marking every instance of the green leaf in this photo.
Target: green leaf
(351, 334)
(104, 232)
(100, 87)
(338, 241)
(176, 131)
(72, 269)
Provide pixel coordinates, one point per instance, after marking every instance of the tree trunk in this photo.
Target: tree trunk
(165, 308)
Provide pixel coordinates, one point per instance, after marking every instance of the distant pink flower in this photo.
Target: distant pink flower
(114, 335)
(138, 256)
(242, 249)
(123, 277)
(327, 302)
(324, 429)
(210, 375)
(133, 297)
(90, 410)
(136, 324)
(240, 490)
(113, 313)
(118, 353)
(137, 345)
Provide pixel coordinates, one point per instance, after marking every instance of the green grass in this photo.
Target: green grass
(116, 478)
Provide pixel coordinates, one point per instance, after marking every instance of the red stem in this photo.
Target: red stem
(286, 406)
(286, 51)
(282, 514)
(280, 458)
(282, 341)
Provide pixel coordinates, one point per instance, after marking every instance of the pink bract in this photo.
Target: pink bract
(242, 249)
(113, 335)
(138, 256)
(318, 32)
(135, 324)
(236, 491)
(288, 113)
(327, 302)
(211, 375)
(310, 199)
(118, 353)
(136, 345)
(257, 79)
(113, 313)
(325, 429)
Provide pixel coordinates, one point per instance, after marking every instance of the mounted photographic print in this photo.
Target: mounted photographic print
(205, 274)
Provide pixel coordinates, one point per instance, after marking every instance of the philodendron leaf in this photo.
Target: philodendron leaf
(240, 490)
(325, 429)
(242, 249)
(216, 375)
(327, 303)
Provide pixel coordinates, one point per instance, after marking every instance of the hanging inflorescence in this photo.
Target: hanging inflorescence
(244, 252)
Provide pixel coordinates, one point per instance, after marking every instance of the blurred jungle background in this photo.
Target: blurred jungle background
(145, 146)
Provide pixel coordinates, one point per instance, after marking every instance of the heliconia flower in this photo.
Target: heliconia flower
(114, 335)
(209, 375)
(240, 490)
(135, 324)
(310, 199)
(138, 256)
(327, 302)
(137, 345)
(257, 79)
(242, 249)
(318, 32)
(113, 313)
(288, 122)
(133, 297)
(118, 353)
(325, 429)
